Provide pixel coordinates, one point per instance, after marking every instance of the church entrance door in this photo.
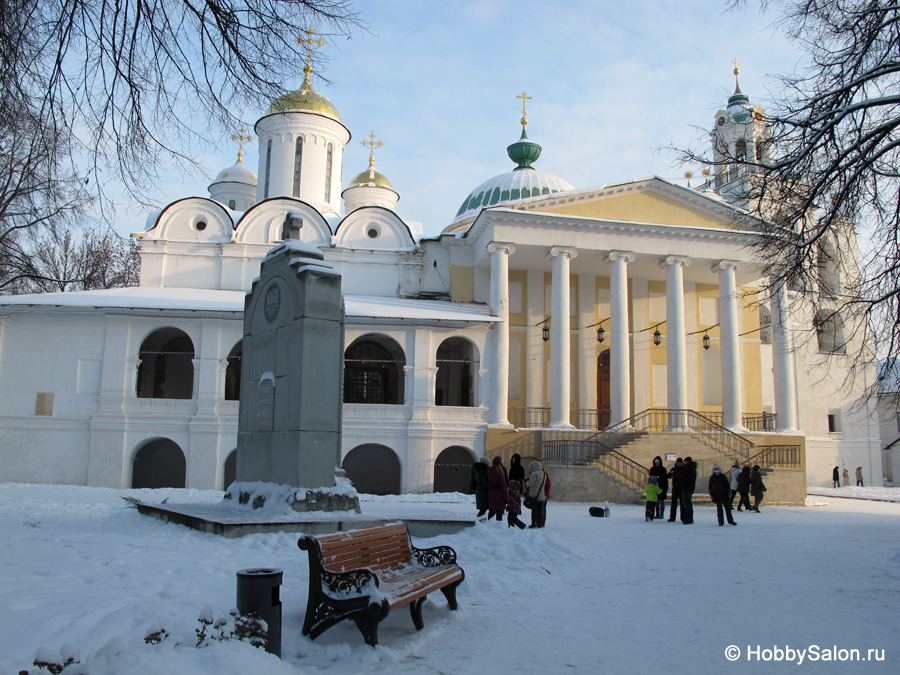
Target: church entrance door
(603, 390)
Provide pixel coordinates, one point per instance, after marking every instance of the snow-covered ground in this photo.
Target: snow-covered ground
(80, 570)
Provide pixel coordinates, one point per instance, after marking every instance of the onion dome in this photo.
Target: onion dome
(236, 186)
(371, 178)
(304, 99)
(238, 173)
(739, 109)
(523, 182)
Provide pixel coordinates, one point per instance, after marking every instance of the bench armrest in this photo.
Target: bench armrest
(352, 583)
(432, 557)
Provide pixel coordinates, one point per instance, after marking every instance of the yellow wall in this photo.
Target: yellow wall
(642, 207)
(519, 318)
(462, 283)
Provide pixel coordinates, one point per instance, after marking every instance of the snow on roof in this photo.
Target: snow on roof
(198, 299)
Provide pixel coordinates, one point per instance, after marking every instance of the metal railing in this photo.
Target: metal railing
(777, 457)
(594, 453)
(750, 421)
(589, 419)
(669, 419)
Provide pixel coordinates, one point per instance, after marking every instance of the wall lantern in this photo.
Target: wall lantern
(601, 334)
(706, 341)
(657, 337)
(545, 333)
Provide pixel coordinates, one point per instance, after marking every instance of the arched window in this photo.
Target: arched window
(158, 464)
(268, 168)
(453, 470)
(298, 156)
(740, 149)
(830, 332)
(233, 373)
(329, 160)
(373, 469)
(166, 367)
(373, 371)
(829, 269)
(456, 368)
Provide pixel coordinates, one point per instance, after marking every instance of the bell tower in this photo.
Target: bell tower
(740, 140)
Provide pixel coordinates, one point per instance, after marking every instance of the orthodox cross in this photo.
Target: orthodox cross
(371, 144)
(310, 44)
(736, 64)
(290, 228)
(240, 138)
(524, 97)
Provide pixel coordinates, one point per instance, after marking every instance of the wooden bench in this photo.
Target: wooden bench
(364, 574)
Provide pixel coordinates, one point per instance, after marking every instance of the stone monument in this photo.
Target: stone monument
(289, 427)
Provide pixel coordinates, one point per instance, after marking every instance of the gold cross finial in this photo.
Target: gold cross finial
(310, 44)
(736, 69)
(240, 138)
(524, 97)
(371, 144)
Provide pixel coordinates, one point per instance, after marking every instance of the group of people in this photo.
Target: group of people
(836, 477)
(498, 490)
(723, 488)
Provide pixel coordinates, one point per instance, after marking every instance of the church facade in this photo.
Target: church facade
(541, 311)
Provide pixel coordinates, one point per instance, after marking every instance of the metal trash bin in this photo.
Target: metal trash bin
(258, 590)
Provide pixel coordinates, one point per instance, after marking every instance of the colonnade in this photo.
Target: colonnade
(620, 334)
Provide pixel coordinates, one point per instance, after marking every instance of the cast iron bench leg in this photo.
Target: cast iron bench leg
(450, 593)
(415, 610)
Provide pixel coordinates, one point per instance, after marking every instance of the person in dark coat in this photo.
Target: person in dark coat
(688, 485)
(675, 476)
(662, 481)
(859, 477)
(516, 470)
(479, 479)
(498, 494)
(720, 493)
(514, 505)
(836, 477)
(744, 489)
(757, 488)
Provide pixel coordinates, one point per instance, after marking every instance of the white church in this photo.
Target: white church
(591, 327)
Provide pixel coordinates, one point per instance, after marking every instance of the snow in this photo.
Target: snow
(83, 573)
(199, 299)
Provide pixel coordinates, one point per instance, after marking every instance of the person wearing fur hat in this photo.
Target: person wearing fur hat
(662, 480)
(537, 488)
(653, 495)
(688, 485)
(757, 487)
(480, 485)
(720, 493)
(498, 494)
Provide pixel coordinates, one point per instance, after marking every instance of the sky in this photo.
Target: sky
(612, 87)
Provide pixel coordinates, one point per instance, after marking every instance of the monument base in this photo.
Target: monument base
(280, 498)
(317, 500)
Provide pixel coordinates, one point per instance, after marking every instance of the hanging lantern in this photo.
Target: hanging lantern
(601, 334)
(545, 333)
(705, 341)
(657, 337)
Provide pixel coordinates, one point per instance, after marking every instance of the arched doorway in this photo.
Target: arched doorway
(159, 463)
(603, 399)
(373, 371)
(233, 373)
(373, 469)
(166, 369)
(229, 474)
(456, 365)
(453, 469)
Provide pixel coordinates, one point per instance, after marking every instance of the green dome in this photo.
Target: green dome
(304, 99)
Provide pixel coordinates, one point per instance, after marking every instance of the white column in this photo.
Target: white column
(500, 253)
(675, 337)
(560, 329)
(587, 344)
(783, 358)
(620, 347)
(732, 368)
